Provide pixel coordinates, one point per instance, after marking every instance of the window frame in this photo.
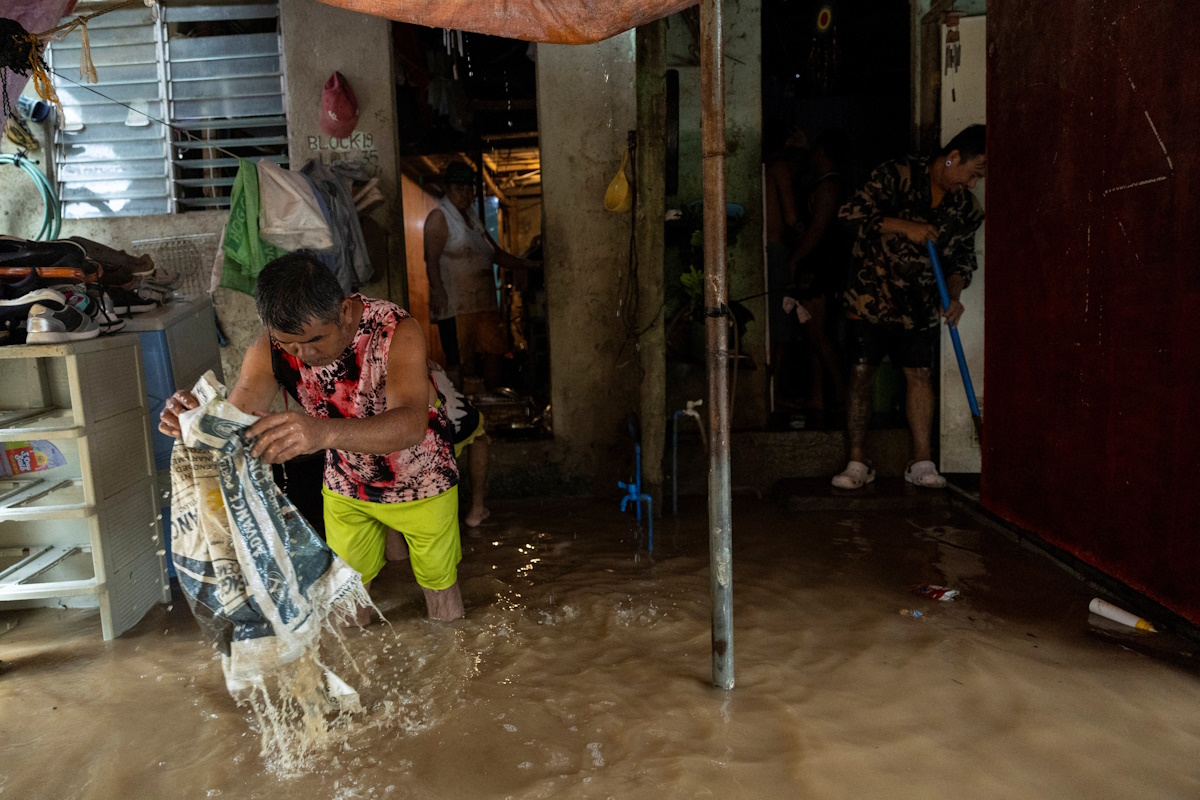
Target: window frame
(175, 179)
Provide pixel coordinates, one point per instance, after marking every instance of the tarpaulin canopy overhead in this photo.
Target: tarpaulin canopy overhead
(550, 21)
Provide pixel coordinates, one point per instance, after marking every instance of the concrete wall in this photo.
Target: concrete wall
(743, 175)
(586, 106)
(318, 39)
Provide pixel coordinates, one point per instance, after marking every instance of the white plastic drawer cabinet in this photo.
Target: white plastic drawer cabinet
(86, 533)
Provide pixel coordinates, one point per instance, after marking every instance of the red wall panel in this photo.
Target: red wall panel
(1092, 431)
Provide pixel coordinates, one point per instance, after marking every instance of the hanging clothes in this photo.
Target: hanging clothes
(352, 265)
(288, 213)
(328, 257)
(246, 252)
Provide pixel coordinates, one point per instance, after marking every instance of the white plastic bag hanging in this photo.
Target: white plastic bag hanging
(289, 215)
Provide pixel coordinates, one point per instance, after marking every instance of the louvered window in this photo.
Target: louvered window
(214, 72)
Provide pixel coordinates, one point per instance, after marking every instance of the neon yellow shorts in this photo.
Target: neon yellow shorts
(356, 530)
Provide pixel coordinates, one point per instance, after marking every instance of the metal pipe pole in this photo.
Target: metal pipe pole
(712, 137)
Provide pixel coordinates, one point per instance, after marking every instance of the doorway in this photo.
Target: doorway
(836, 78)
(471, 99)
(963, 102)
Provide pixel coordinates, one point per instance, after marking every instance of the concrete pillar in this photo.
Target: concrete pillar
(319, 39)
(651, 205)
(586, 107)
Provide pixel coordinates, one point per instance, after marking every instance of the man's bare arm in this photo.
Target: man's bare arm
(256, 386)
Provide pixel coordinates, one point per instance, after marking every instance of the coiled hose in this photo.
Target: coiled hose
(52, 218)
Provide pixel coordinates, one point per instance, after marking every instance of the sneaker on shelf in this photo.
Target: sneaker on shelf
(96, 305)
(15, 311)
(120, 268)
(17, 252)
(108, 319)
(163, 277)
(60, 260)
(18, 308)
(47, 325)
(126, 302)
(47, 275)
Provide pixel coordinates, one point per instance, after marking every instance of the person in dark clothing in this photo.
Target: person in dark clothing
(892, 304)
(818, 265)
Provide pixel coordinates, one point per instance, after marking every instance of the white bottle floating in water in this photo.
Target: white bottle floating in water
(1109, 611)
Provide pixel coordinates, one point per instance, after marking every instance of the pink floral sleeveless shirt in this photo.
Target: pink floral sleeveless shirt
(353, 388)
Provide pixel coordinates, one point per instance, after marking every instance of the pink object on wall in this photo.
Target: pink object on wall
(339, 107)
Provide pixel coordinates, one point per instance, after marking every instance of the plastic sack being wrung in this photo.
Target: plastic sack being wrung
(260, 581)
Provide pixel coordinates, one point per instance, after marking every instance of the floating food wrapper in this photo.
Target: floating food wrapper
(18, 458)
(935, 592)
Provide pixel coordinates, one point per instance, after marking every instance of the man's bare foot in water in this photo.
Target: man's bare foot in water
(476, 516)
(445, 605)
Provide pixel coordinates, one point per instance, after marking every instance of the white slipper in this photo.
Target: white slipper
(924, 474)
(855, 476)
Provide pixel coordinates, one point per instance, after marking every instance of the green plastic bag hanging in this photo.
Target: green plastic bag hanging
(246, 253)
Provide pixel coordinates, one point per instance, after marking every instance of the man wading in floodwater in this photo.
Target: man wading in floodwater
(357, 366)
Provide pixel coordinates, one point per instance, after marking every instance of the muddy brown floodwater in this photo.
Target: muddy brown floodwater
(583, 671)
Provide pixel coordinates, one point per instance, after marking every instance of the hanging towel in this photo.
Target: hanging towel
(246, 253)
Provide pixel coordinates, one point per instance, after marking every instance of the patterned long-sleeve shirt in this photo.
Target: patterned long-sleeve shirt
(891, 278)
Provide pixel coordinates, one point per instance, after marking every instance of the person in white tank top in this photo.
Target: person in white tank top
(459, 255)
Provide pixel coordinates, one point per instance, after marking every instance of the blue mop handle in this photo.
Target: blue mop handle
(958, 350)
